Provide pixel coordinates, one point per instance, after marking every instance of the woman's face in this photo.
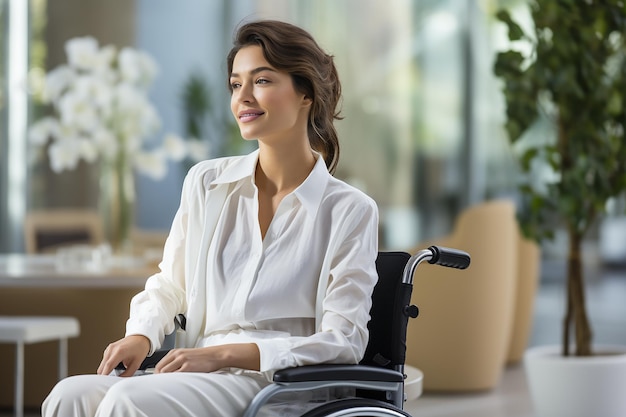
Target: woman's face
(263, 100)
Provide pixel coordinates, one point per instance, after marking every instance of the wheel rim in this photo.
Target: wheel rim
(370, 412)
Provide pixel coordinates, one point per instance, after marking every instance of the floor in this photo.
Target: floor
(605, 301)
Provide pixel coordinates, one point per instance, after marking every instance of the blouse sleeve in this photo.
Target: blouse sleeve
(152, 311)
(342, 335)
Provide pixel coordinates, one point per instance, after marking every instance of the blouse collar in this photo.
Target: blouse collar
(309, 193)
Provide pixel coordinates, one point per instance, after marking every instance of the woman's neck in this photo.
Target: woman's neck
(281, 169)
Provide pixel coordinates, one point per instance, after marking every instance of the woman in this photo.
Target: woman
(271, 259)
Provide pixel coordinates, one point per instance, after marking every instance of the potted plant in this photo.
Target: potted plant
(573, 81)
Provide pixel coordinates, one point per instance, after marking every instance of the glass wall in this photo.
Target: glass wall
(14, 49)
(4, 224)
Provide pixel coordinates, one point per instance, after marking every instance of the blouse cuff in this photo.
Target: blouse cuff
(153, 336)
(275, 354)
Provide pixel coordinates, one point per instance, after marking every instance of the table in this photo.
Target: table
(32, 285)
(38, 271)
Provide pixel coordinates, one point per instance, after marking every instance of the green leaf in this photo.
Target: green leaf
(515, 31)
(509, 62)
(528, 157)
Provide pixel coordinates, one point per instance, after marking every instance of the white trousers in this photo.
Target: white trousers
(178, 394)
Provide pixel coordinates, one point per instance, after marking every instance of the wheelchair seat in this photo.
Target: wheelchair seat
(377, 382)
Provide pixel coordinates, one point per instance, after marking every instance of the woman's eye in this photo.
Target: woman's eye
(262, 81)
(235, 85)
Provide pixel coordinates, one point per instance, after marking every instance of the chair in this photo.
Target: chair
(148, 244)
(379, 378)
(462, 339)
(47, 230)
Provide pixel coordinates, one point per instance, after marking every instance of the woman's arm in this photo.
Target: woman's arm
(152, 311)
(341, 335)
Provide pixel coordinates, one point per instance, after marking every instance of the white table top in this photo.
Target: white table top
(41, 271)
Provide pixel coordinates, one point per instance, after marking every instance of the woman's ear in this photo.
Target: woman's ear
(306, 101)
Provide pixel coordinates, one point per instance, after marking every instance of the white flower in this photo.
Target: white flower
(106, 143)
(64, 154)
(105, 59)
(87, 149)
(174, 147)
(153, 164)
(198, 150)
(136, 115)
(102, 111)
(78, 112)
(43, 130)
(82, 53)
(150, 120)
(136, 67)
(95, 91)
(57, 81)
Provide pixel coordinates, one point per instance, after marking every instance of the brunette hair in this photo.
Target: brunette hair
(291, 49)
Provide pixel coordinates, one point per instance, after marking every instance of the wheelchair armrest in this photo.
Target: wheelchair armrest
(151, 361)
(337, 373)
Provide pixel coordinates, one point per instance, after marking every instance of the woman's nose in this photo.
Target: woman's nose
(246, 93)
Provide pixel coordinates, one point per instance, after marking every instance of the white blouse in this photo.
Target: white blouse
(302, 293)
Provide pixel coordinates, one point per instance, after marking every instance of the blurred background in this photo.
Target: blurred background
(422, 132)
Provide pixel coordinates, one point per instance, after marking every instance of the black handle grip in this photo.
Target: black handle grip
(452, 258)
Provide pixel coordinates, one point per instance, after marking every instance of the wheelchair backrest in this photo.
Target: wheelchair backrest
(389, 318)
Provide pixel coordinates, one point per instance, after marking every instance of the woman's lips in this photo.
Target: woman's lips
(248, 115)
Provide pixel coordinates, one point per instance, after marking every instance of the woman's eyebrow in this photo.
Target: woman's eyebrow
(254, 71)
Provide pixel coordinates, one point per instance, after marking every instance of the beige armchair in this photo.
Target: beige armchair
(528, 273)
(462, 338)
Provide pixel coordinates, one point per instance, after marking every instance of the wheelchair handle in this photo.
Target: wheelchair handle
(439, 255)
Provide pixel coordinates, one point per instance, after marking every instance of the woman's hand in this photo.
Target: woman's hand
(131, 351)
(209, 359)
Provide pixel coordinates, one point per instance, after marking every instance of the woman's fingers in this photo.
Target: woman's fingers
(171, 362)
(108, 357)
(130, 351)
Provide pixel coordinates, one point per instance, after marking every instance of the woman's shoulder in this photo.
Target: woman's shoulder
(347, 195)
(211, 168)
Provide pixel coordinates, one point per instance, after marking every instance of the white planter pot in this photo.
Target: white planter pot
(577, 386)
(612, 239)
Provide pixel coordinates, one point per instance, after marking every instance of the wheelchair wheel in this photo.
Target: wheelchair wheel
(356, 407)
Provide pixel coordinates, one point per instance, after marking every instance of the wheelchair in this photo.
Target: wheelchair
(376, 384)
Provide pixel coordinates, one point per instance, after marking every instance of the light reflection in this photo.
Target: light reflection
(18, 113)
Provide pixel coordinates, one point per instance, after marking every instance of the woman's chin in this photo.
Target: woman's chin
(246, 135)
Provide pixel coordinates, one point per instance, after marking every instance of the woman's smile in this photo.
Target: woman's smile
(249, 115)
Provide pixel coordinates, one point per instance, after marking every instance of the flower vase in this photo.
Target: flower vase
(117, 203)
